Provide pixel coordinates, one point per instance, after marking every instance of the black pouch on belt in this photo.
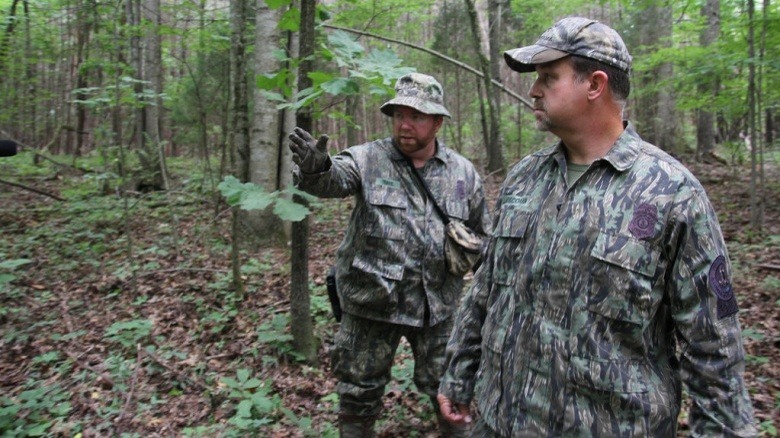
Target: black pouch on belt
(333, 293)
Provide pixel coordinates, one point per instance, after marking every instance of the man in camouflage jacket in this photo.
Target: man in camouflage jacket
(606, 283)
(390, 271)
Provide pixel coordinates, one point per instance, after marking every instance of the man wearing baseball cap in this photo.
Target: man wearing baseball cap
(606, 284)
(390, 269)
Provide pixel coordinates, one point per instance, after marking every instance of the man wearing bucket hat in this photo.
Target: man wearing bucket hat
(606, 283)
(390, 268)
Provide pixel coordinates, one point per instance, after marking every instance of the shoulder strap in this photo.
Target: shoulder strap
(427, 191)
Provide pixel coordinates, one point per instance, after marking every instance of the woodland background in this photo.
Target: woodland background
(156, 276)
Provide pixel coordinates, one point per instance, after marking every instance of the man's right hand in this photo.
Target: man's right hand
(455, 413)
(310, 156)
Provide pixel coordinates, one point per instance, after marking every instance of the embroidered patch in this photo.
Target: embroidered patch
(460, 189)
(720, 283)
(642, 225)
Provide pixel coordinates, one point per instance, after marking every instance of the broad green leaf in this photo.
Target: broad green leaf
(290, 211)
(263, 404)
(341, 86)
(290, 20)
(230, 382)
(252, 383)
(231, 189)
(276, 4)
(344, 46)
(268, 81)
(273, 97)
(244, 409)
(242, 375)
(13, 264)
(319, 77)
(255, 199)
(308, 197)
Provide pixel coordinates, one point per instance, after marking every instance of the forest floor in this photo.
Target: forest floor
(101, 335)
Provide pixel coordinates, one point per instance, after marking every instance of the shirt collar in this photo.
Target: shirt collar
(621, 155)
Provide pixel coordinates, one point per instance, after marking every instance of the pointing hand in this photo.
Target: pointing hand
(310, 156)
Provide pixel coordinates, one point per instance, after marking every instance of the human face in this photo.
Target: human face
(413, 131)
(559, 97)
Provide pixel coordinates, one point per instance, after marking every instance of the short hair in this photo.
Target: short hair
(619, 82)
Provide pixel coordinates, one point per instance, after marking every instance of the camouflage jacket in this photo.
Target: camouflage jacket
(597, 301)
(391, 261)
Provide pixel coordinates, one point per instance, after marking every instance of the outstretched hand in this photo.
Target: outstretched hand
(455, 413)
(309, 155)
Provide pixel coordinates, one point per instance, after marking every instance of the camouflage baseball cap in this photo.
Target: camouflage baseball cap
(418, 91)
(572, 36)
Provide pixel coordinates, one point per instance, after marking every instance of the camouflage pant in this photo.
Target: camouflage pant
(364, 355)
(482, 430)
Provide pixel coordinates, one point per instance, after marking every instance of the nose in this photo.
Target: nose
(534, 90)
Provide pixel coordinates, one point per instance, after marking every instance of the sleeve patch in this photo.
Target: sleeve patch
(720, 284)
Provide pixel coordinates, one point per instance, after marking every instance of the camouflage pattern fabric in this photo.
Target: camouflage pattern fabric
(418, 91)
(572, 36)
(390, 266)
(596, 302)
(363, 357)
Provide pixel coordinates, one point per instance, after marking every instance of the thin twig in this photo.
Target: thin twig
(32, 189)
(183, 376)
(133, 383)
(170, 271)
(79, 363)
(436, 54)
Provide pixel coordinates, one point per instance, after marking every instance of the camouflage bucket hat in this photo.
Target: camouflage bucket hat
(572, 36)
(418, 91)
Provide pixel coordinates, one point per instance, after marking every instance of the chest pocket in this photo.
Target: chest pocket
(509, 234)
(389, 204)
(457, 209)
(624, 271)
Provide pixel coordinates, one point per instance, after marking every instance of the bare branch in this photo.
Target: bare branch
(466, 67)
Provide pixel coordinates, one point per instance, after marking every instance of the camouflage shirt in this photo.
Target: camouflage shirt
(391, 261)
(597, 301)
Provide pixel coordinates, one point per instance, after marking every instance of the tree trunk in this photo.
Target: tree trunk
(300, 314)
(239, 123)
(705, 119)
(153, 74)
(493, 147)
(656, 116)
(496, 156)
(756, 204)
(264, 158)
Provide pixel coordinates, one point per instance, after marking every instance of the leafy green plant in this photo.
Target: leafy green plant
(129, 333)
(250, 196)
(7, 266)
(34, 411)
(274, 334)
(768, 427)
(256, 404)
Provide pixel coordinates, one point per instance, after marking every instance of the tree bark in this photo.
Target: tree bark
(756, 204)
(153, 75)
(656, 116)
(705, 119)
(300, 313)
(264, 153)
(493, 146)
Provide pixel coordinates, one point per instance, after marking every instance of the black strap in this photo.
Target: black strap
(415, 172)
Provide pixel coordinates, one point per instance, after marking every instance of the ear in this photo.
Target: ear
(437, 122)
(598, 84)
